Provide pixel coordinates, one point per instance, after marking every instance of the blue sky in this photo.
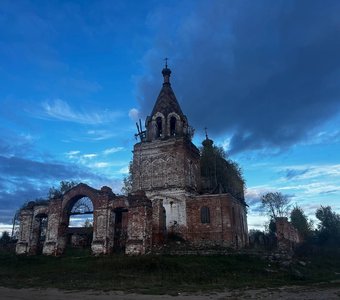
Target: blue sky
(263, 76)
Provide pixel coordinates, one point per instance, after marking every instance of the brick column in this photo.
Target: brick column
(140, 225)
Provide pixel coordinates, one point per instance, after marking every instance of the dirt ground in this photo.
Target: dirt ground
(296, 292)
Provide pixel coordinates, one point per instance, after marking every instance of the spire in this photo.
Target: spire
(166, 102)
(166, 72)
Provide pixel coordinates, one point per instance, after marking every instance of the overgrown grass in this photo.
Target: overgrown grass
(156, 274)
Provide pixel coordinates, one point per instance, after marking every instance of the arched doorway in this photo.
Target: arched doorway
(120, 215)
(80, 223)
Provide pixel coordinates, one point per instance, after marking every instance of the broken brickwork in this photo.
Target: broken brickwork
(287, 235)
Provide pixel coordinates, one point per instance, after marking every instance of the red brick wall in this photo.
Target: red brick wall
(222, 230)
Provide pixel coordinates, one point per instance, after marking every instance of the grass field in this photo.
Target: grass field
(159, 274)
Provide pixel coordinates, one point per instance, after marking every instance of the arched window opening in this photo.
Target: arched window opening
(80, 229)
(173, 126)
(205, 215)
(159, 127)
(42, 228)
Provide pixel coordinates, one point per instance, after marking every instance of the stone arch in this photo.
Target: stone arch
(173, 129)
(100, 201)
(158, 122)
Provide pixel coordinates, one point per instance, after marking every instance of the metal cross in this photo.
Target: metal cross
(166, 62)
(206, 132)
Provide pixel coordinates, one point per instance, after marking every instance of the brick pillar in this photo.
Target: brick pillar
(23, 245)
(139, 231)
(101, 238)
(54, 242)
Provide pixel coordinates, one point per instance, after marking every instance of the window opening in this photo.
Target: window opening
(159, 126)
(205, 214)
(173, 126)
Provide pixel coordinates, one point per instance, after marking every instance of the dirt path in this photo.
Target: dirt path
(296, 292)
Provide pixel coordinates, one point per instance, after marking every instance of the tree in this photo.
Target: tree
(127, 181)
(5, 238)
(276, 205)
(300, 221)
(64, 186)
(329, 227)
(220, 173)
(88, 224)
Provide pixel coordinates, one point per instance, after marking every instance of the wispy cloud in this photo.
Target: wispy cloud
(61, 110)
(112, 150)
(303, 172)
(101, 164)
(100, 135)
(90, 155)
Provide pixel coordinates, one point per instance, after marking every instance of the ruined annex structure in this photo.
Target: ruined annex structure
(178, 193)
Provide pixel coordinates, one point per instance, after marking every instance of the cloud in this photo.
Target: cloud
(264, 73)
(112, 150)
(27, 168)
(60, 110)
(90, 155)
(101, 164)
(134, 114)
(292, 173)
(304, 172)
(100, 135)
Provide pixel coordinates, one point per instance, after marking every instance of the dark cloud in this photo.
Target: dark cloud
(26, 168)
(264, 72)
(329, 191)
(292, 173)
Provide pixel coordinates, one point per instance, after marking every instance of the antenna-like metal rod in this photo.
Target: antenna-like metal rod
(140, 125)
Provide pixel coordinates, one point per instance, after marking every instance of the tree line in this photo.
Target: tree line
(326, 233)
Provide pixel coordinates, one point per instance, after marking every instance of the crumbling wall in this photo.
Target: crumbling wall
(29, 230)
(227, 225)
(140, 225)
(287, 235)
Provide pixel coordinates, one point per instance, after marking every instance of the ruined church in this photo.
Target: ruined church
(178, 192)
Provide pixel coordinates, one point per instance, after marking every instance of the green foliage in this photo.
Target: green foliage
(127, 181)
(329, 227)
(300, 221)
(64, 186)
(30, 204)
(155, 274)
(220, 174)
(276, 205)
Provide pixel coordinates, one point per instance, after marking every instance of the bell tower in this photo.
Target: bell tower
(167, 119)
(165, 161)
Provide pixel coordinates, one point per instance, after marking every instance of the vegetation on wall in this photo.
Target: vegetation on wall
(220, 174)
(127, 181)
